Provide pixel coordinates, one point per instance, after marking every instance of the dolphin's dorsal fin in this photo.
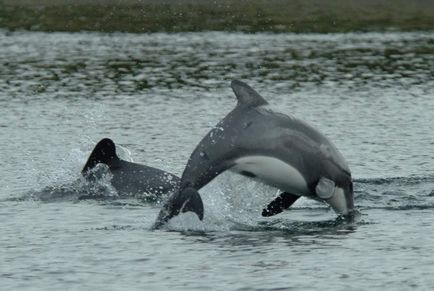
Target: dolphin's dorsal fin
(104, 152)
(247, 97)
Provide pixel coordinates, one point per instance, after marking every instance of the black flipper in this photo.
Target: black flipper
(282, 202)
(247, 97)
(181, 201)
(104, 152)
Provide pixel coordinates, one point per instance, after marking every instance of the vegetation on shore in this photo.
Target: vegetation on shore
(223, 15)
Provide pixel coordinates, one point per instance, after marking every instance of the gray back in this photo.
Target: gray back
(252, 129)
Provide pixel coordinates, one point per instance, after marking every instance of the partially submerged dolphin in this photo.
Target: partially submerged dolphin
(277, 149)
(129, 178)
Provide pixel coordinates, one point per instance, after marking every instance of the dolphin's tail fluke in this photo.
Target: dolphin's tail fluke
(181, 201)
(104, 152)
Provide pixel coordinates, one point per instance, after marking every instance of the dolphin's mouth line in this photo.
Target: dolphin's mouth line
(339, 202)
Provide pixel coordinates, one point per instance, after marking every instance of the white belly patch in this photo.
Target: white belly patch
(274, 172)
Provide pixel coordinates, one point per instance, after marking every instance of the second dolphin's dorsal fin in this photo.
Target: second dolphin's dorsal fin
(247, 97)
(104, 152)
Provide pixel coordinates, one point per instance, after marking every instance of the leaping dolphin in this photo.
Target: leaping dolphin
(275, 148)
(130, 178)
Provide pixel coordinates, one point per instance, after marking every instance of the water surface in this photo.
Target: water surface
(156, 95)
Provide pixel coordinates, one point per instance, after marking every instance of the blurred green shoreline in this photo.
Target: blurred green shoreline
(225, 15)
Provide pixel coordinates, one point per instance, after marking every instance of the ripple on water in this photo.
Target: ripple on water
(157, 95)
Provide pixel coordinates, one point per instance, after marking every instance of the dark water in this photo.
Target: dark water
(156, 95)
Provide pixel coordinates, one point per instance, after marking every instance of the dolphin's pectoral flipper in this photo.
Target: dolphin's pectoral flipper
(181, 201)
(104, 152)
(246, 96)
(325, 188)
(248, 174)
(282, 202)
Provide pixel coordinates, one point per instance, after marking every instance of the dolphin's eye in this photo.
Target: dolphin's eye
(204, 155)
(247, 124)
